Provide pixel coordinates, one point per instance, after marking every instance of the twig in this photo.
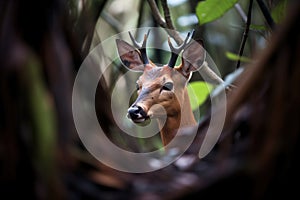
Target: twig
(266, 14)
(165, 22)
(243, 15)
(241, 12)
(156, 14)
(169, 22)
(167, 14)
(245, 35)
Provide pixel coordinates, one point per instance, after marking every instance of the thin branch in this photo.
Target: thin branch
(245, 35)
(169, 23)
(266, 14)
(165, 22)
(156, 14)
(167, 14)
(243, 15)
(241, 12)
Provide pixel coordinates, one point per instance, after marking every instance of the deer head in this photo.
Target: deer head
(164, 86)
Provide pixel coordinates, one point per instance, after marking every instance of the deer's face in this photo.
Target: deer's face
(160, 89)
(161, 86)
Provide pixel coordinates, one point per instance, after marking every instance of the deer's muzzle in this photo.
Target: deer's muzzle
(137, 114)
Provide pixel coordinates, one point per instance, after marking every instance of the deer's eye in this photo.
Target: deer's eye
(168, 86)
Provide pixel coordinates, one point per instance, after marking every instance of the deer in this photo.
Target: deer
(164, 85)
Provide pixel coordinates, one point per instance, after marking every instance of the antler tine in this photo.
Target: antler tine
(177, 50)
(141, 46)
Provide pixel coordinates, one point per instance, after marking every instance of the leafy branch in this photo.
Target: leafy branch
(205, 15)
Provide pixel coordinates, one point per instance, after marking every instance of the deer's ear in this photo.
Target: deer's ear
(129, 56)
(193, 57)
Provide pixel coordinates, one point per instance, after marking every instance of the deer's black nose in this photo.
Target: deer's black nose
(137, 114)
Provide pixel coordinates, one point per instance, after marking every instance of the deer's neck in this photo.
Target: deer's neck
(175, 121)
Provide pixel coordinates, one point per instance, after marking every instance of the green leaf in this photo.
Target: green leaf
(278, 13)
(235, 57)
(258, 27)
(210, 10)
(198, 92)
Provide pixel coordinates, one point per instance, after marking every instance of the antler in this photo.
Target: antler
(177, 50)
(141, 46)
